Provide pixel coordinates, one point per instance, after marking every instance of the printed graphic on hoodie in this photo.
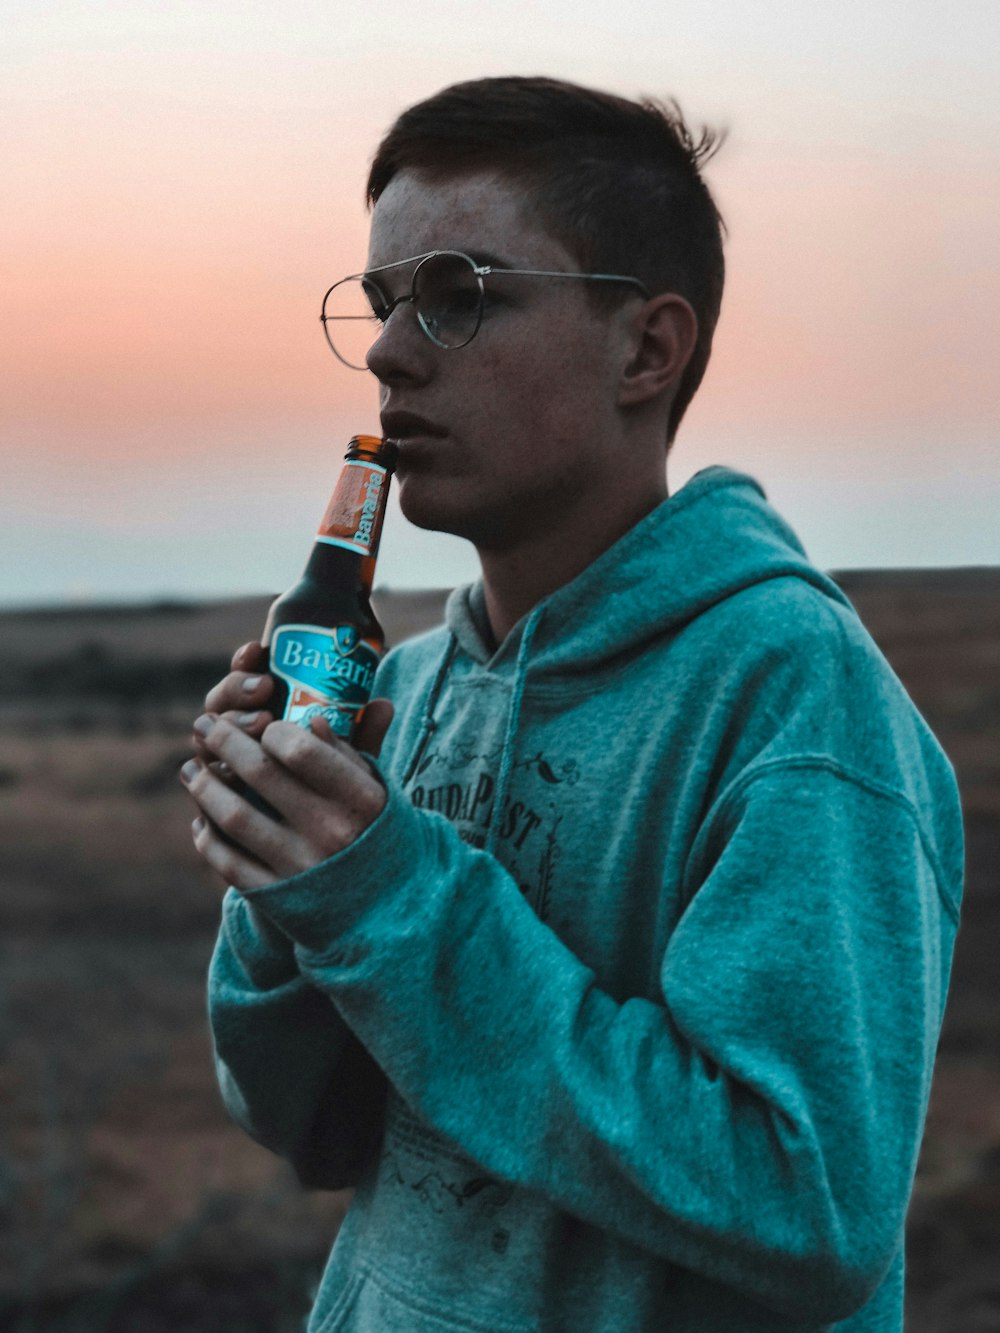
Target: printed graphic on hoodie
(442, 1180)
(460, 783)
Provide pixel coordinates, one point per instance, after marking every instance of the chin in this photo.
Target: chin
(438, 508)
(421, 504)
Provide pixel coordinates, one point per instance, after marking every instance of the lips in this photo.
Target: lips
(402, 426)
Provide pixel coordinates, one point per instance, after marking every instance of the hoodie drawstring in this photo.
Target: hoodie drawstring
(429, 724)
(510, 734)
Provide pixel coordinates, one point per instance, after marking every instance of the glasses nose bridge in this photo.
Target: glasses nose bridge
(386, 355)
(405, 298)
(398, 301)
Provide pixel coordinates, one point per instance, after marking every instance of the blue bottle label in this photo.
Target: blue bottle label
(329, 673)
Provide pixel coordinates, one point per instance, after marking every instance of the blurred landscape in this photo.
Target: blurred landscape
(128, 1202)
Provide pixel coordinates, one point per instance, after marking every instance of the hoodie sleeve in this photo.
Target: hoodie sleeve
(319, 1104)
(759, 1122)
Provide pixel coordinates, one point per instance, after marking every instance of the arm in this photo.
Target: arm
(290, 1071)
(759, 1123)
(760, 1126)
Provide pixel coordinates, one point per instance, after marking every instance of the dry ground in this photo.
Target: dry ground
(127, 1200)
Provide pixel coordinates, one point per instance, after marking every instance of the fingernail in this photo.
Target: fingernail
(197, 824)
(190, 771)
(251, 683)
(204, 724)
(248, 719)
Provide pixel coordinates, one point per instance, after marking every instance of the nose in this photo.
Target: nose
(401, 350)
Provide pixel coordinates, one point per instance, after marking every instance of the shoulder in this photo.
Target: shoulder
(793, 636)
(814, 690)
(789, 609)
(800, 674)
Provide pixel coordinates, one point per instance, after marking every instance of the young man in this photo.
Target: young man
(614, 989)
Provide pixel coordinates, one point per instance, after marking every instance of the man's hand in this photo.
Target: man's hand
(244, 691)
(324, 791)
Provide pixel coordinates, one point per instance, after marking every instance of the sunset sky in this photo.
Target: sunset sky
(182, 181)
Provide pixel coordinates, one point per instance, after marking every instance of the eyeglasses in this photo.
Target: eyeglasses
(447, 292)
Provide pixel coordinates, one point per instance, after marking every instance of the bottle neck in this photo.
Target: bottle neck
(353, 519)
(333, 566)
(350, 530)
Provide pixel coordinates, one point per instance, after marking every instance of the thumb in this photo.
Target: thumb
(371, 730)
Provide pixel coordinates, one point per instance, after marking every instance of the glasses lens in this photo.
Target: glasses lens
(351, 321)
(449, 299)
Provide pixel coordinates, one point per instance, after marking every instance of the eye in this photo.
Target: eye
(448, 304)
(448, 294)
(381, 308)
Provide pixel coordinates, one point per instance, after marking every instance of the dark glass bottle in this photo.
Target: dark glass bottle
(322, 636)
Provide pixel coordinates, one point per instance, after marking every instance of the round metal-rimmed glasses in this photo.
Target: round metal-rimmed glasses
(447, 292)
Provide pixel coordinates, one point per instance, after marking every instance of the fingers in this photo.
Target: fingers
(239, 692)
(231, 863)
(250, 657)
(240, 696)
(321, 762)
(371, 730)
(243, 756)
(253, 723)
(238, 839)
(324, 792)
(347, 794)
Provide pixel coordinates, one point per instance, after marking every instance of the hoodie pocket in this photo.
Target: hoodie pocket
(366, 1305)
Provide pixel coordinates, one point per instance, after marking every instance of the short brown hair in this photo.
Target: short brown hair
(617, 182)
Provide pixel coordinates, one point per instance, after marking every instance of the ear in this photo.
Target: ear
(663, 338)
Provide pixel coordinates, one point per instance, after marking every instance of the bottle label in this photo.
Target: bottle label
(351, 517)
(329, 673)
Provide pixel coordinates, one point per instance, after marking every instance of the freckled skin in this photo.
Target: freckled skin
(539, 457)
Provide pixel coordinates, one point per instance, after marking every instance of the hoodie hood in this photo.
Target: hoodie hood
(713, 538)
(717, 536)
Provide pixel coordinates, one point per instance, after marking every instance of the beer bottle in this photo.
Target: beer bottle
(322, 637)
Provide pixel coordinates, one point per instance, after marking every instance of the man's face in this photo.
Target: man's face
(518, 428)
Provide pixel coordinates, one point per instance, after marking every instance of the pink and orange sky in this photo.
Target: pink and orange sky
(183, 180)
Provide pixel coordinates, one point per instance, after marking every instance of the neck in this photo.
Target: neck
(518, 577)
